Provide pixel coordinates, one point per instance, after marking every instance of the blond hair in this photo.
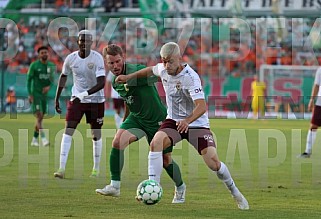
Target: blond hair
(170, 49)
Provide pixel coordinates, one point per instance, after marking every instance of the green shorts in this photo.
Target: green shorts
(40, 103)
(141, 129)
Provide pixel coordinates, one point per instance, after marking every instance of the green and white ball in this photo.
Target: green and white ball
(149, 192)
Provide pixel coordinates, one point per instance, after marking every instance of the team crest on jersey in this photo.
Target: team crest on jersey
(91, 65)
(178, 85)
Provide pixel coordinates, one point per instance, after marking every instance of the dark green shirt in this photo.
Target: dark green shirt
(141, 96)
(40, 75)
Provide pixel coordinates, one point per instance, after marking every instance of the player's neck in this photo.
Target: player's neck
(83, 54)
(179, 69)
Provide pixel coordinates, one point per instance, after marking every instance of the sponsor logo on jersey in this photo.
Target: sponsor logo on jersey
(91, 65)
(178, 86)
(129, 100)
(100, 68)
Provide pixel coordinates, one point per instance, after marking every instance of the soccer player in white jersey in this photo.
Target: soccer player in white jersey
(186, 117)
(88, 71)
(316, 115)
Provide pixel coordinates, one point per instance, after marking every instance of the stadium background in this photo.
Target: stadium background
(225, 64)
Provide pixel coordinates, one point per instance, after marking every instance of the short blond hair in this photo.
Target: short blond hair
(170, 49)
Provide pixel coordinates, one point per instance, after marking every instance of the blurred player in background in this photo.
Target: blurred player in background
(186, 117)
(316, 115)
(258, 94)
(143, 116)
(39, 80)
(88, 71)
(118, 102)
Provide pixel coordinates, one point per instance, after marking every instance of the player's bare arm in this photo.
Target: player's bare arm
(199, 110)
(314, 93)
(143, 73)
(61, 84)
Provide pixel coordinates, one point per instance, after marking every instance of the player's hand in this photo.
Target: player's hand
(121, 79)
(57, 107)
(30, 98)
(310, 105)
(182, 126)
(45, 89)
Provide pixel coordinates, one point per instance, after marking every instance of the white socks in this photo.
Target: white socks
(224, 174)
(118, 120)
(310, 141)
(97, 147)
(115, 183)
(155, 165)
(64, 150)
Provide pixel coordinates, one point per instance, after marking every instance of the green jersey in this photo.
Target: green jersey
(141, 96)
(40, 75)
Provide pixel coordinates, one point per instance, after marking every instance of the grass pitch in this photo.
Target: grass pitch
(261, 156)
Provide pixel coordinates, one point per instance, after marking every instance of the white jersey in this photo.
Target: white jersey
(85, 72)
(113, 93)
(317, 81)
(181, 91)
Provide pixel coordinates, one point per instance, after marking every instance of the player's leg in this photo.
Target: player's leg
(73, 117)
(94, 113)
(311, 136)
(36, 111)
(203, 141)
(127, 134)
(255, 107)
(43, 111)
(169, 164)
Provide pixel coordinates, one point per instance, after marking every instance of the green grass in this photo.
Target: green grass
(261, 156)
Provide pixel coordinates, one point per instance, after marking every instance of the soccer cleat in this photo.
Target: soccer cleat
(179, 196)
(304, 155)
(45, 142)
(60, 174)
(109, 190)
(94, 173)
(35, 142)
(241, 202)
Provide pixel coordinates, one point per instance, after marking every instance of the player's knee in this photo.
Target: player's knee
(116, 143)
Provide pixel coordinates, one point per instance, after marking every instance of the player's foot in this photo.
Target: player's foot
(94, 173)
(109, 190)
(179, 196)
(60, 174)
(45, 142)
(304, 155)
(35, 142)
(241, 202)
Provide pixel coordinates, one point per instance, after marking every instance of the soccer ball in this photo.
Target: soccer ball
(149, 192)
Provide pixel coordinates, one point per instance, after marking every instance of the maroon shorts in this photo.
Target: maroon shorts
(316, 115)
(199, 137)
(94, 113)
(118, 103)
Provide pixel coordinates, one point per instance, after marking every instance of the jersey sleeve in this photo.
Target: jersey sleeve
(100, 70)
(66, 70)
(317, 79)
(195, 88)
(30, 76)
(157, 69)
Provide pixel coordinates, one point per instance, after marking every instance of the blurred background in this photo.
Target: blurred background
(226, 41)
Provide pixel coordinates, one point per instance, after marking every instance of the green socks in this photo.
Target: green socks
(116, 163)
(175, 173)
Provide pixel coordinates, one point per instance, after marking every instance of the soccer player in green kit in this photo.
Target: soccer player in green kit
(39, 80)
(143, 115)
